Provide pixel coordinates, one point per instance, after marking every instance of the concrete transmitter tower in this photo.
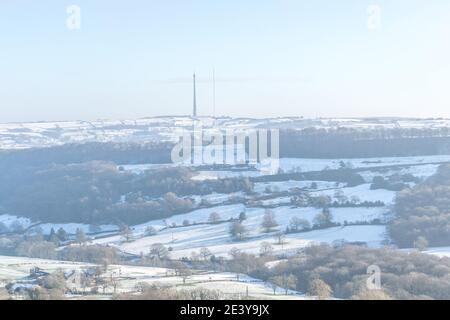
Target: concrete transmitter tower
(194, 113)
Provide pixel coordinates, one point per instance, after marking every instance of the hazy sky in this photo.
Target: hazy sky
(272, 58)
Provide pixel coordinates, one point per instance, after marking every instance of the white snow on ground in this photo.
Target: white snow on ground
(71, 228)
(139, 168)
(430, 165)
(280, 186)
(230, 284)
(10, 220)
(39, 134)
(363, 192)
(440, 252)
(273, 264)
(196, 216)
(216, 198)
(283, 215)
(214, 175)
(422, 172)
(183, 241)
(17, 267)
(276, 201)
(304, 165)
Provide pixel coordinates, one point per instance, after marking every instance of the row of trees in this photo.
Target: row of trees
(269, 224)
(311, 142)
(359, 143)
(422, 214)
(98, 192)
(345, 271)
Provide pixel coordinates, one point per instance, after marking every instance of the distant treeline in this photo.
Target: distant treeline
(305, 143)
(343, 175)
(351, 143)
(343, 272)
(98, 192)
(122, 153)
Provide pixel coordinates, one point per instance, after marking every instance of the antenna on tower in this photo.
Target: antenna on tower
(194, 113)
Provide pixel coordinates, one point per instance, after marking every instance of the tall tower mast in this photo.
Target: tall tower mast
(214, 93)
(195, 100)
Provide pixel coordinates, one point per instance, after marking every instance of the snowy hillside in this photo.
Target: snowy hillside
(40, 134)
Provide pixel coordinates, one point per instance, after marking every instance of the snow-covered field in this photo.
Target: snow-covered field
(361, 192)
(13, 222)
(281, 186)
(71, 228)
(422, 167)
(305, 165)
(13, 268)
(439, 252)
(186, 234)
(216, 198)
(189, 232)
(419, 171)
(40, 134)
(230, 284)
(185, 241)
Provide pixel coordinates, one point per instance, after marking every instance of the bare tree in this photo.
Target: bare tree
(269, 222)
(280, 238)
(159, 251)
(265, 249)
(150, 231)
(214, 217)
(319, 288)
(80, 237)
(238, 230)
(205, 253)
(298, 224)
(285, 281)
(126, 233)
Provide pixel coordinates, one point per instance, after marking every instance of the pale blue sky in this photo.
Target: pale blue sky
(272, 58)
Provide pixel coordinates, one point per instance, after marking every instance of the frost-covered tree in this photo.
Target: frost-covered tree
(80, 237)
(237, 230)
(298, 224)
(320, 289)
(269, 223)
(214, 217)
(265, 248)
(158, 250)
